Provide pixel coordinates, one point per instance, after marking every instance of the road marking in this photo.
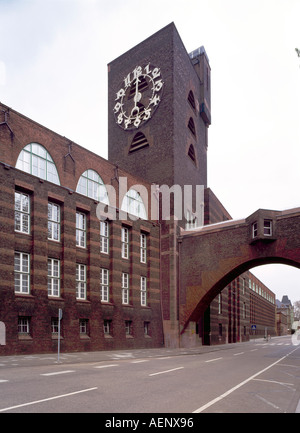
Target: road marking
(166, 371)
(288, 365)
(47, 399)
(240, 353)
(274, 381)
(3, 380)
(58, 372)
(215, 400)
(107, 366)
(139, 361)
(215, 359)
(266, 401)
(253, 350)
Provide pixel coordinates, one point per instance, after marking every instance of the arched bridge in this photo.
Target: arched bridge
(212, 256)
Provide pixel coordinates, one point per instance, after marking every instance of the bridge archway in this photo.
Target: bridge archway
(232, 275)
(212, 256)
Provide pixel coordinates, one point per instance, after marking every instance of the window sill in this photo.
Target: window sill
(84, 337)
(25, 337)
(24, 295)
(55, 298)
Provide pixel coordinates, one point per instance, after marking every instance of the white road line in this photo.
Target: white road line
(266, 401)
(139, 361)
(47, 399)
(274, 381)
(240, 353)
(215, 359)
(215, 400)
(107, 366)
(253, 350)
(58, 372)
(166, 371)
(3, 380)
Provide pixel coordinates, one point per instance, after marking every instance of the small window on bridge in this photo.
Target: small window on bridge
(267, 227)
(254, 230)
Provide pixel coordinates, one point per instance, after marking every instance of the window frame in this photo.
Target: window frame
(104, 285)
(81, 283)
(81, 229)
(22, 213)
(143, 247)
(125, 288)
(23, 325)
(143, 287)
(125, 243)
(22, 273)
(268, 227)
(104, 237)
(90, 184)
(39, 162)
(54, 223)
(52, 278)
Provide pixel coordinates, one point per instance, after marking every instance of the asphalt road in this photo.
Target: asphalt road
(252, 377)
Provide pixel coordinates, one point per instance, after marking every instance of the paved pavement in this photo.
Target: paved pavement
(98, 356)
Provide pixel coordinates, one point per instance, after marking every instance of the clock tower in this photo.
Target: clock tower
(159, 111)
(158, 117)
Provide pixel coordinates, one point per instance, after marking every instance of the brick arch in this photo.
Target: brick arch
(212, 256)
(234, 273)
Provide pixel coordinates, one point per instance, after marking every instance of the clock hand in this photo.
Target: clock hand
(137, 97)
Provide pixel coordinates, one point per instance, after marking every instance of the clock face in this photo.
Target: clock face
(139, 97)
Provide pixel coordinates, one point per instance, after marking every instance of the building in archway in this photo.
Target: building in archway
(89, 240)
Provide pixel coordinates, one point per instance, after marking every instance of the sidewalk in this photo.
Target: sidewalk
(113, 355)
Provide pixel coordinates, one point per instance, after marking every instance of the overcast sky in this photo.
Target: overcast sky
(53, 69)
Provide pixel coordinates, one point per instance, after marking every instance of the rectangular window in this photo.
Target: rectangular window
(143, 248)
(107, 328)
(254, 230)
(80, 281)
(80, 230)
(23, 325)
(53, 277)
(220, 303)
(267, 227)
(83, 326)
(54, 325)
(220, 330)
(128, 327)
(22, 212)
(104, 285)
(144, 291)
(22, 273)
(125, 288)
(104, 237)
(125, 243)
(53, 222)
(146, 328)
(244, 310)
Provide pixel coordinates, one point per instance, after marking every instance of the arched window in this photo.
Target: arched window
(192, 154)
(36, 160)
(91, 185)
(191, 126)
(133, 204)
(139, 141)
(191, 100)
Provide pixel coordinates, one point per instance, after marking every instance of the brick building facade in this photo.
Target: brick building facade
(67, 242)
